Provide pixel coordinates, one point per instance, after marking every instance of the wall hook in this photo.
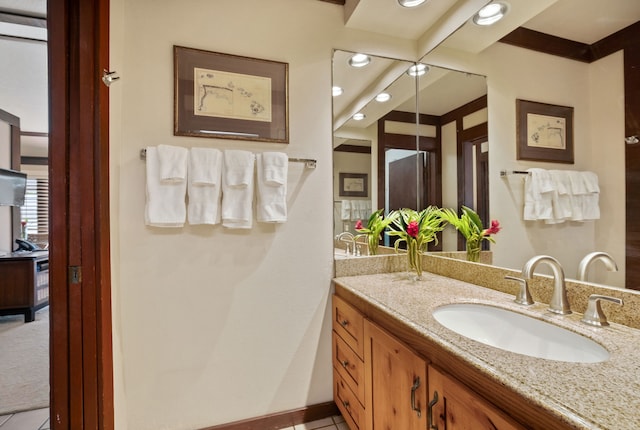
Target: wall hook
(109, 77)
(631, 140)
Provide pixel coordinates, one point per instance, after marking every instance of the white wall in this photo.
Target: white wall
(212, 325)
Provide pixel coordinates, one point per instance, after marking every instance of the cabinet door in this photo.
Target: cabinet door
(458, 408)
(395, 382)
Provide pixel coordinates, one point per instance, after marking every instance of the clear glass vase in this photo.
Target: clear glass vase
(373, 244)
(473, 250)
(414, 258)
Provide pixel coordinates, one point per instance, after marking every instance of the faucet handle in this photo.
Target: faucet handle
(523, 296)
(594, 314)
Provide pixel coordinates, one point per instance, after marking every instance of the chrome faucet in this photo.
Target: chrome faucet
(588, 259)
(350, 241)
(559, 304)
(594, 315)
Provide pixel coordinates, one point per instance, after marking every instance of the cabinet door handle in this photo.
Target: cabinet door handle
(346, 405)
(344, 363)
(432, 403)
(416, 385)
(344, 323)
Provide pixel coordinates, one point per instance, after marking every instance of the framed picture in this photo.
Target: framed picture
(228, 96)
(354, 185)
(544, 132)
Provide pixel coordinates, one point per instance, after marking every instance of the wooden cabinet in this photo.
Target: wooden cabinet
(348, 363)
(458, 408)
(396, 383)
(24, 284)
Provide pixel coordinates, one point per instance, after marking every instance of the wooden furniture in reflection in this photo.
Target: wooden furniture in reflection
(24, 283)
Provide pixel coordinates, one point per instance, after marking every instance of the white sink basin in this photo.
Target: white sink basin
(519, 333)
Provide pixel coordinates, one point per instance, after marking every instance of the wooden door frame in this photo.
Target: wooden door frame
(81, 363)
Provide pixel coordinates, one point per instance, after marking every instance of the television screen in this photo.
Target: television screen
(13, 186)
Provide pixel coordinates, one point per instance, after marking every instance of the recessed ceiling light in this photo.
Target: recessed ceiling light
(383, 97)
(411, 3)
(359, 116)
(336, 91)
(418, 69)
(359, 60)
(491, 13)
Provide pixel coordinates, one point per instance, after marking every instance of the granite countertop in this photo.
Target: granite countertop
(602, 395)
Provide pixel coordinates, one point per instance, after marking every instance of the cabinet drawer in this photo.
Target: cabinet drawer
(349, 366)
(350, 407)
(349, 323)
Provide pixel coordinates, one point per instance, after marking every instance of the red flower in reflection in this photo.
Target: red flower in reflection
(494, 229)
(412, 228)
(359, 225)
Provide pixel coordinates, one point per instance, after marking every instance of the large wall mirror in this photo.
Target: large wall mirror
(598, 87)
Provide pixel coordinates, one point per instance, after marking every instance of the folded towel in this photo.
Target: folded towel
(237, 189)
(205, 166)
(345, 211)
(204, 186)
(590, 180)
(272, 189)
(165, 205)
(238, 167)
(173, 163)
(578, 186)
(538, 199)
(275, 166)
(562, 197)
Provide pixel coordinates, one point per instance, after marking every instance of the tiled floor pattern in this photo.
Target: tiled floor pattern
(38, 419)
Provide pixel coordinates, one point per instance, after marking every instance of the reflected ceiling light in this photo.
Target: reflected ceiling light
(359, 116)
(359, 60)
(418, 69)
(491, 13)
(411, 3)
(383, 97)
(336, 91)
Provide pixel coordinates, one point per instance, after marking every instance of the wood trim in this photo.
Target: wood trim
(33, 133)
(340, 2)
(283, 419)
(358, 149)
(9, 118)
(34, 161)
(542, 42)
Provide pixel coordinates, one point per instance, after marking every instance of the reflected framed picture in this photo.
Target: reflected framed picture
(544, 132)
(227, 96)
(353, 185)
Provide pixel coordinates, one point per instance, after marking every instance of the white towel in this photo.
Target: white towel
(205, 166)
(272, 187)
(591, 200)
(237, 189)
(345, 210)
(204, 186)
(275, 166)
(562, 197)
(173, 163)
(538, 197)
(165, 206)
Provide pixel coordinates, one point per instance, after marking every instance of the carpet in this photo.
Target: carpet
(24, 362)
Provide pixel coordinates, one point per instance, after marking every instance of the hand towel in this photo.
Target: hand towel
(590, 201)
(275, 166)
(205, 166)
(578, 192)
(173, 163)
(271, 203)
(204, 186)
(237, 189)
(538, 195)
(165, 205)
(238, 168)
(562, 198)
(345, 210)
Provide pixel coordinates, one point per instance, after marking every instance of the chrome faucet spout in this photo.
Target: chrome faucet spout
(589, 259)
(349, 240)
(559, 303)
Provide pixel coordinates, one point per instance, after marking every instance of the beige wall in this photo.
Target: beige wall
(212, 325)
(5, 211)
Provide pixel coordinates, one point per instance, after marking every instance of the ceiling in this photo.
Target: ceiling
(585, 21)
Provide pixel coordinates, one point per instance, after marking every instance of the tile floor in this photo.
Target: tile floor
(38, 419)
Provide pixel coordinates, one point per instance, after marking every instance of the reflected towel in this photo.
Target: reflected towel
(271, 203)
(237, 189)
(165, 205)
(238, 168)
(345, 211)
(173, 163)
(204, 186)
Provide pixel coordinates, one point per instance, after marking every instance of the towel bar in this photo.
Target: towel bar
(513, 172)
(308, 162)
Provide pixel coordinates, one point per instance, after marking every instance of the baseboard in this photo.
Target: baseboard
(282, 419)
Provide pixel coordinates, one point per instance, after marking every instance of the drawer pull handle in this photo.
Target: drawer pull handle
(344, 363)
(345, 404)
(344, 323)
(432, 403)
(414, 388)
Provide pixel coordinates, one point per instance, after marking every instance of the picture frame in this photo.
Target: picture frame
(226, 96)
(353, 185)
(544, 132)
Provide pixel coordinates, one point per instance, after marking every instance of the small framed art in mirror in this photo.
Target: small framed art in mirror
(544, 132)
(228, 96)
(354, 185)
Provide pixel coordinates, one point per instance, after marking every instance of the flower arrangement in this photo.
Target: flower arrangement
(470, 226)
(375, 226)
(417, 230)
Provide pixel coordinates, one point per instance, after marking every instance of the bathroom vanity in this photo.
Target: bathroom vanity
(391, 357)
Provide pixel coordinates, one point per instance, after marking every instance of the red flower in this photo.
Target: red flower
(494, 229)
(359, 225)
(412, 229)
(23, 223)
